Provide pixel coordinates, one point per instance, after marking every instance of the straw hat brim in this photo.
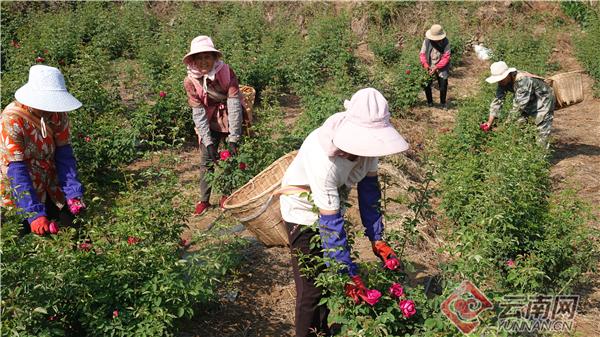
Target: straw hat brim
(368, 141)
(47, 100)
(500, 77)
(200, 50)
(434, 37)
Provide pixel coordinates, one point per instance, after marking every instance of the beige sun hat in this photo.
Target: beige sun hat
(201, 44)
(45, 90)
(499, 71)
(365, 129)
(435, 33)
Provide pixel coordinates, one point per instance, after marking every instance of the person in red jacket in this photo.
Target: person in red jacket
(214, 95)
(435, 58)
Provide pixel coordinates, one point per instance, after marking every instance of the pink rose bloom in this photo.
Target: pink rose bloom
(407, 307)
(162, 94)
(132, 240)
(396, 290)
(372, 296)
(392, 263)
(407, 71)
(510, 263)
(225, 155)
(85, 247)
(53, 228)
(115, 313)
(88, 139)
(75, 206)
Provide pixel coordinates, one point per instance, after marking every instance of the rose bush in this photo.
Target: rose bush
(127, 276)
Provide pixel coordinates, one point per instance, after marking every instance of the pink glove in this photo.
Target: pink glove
(484, 127)
(75, 206)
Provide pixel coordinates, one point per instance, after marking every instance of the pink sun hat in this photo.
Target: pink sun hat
(201, 44)
(366, 130)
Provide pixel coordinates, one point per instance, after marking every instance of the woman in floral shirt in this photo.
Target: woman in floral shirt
(36, 156)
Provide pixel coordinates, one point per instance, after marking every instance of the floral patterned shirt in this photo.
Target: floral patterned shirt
(21, 140)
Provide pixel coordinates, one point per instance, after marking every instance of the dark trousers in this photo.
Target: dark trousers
(63, 216)
(443, 84)
(205, 165)
(311, 318)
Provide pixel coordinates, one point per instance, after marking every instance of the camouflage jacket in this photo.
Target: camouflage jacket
(532, 97)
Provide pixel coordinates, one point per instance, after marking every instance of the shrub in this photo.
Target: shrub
(495, 190)
(586, 47)
(132, 278)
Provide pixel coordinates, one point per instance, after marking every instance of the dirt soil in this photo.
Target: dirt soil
(576, 164)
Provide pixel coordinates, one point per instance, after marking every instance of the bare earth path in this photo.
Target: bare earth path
(576, 164)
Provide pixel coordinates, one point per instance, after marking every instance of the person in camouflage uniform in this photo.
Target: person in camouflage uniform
(533, 98)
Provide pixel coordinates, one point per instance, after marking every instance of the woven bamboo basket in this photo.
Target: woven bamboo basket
(257, 207)
(568, 88)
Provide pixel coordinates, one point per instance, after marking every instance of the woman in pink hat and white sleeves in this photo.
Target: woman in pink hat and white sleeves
(343, 152)
(214, 95)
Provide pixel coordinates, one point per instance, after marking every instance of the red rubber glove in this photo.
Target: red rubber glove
(40, 226)
(356, 290)
(386, 254)
(75, 206)
(484, 127)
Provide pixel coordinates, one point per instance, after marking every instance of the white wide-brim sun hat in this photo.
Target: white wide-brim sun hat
(201, 44)
(499, 72)
(46, 90)
(366, 130)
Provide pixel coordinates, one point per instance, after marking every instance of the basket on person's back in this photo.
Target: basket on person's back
(568, 88)
(256, 204)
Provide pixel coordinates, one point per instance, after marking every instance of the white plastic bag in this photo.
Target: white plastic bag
(482, 52)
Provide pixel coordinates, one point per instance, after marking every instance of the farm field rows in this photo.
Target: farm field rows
(492, 208)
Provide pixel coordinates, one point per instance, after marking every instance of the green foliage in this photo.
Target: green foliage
(53, 286)
(495, 189)
(587, 46)
(521, 50)
(579, 11)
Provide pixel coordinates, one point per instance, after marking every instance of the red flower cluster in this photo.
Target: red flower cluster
(132, 240)
(224, 155)
(86, 247)
(39, 59)
(162, 94)
(406, 306)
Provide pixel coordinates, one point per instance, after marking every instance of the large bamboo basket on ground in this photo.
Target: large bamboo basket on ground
(568, 88)
(256, 206)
